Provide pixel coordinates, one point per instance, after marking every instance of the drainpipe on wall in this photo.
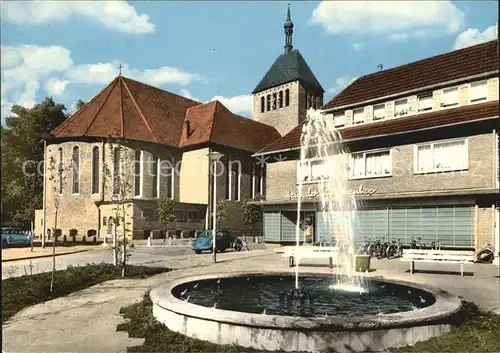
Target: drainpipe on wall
(101, 198)
(476, 226)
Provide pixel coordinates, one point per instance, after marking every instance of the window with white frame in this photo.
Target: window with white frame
(450, 97)
(478, 91)
(379, 112)
(313, 170)
(338, 119)
(370, 164)
(442, 156)
(424, 102)
(235, 180)
(138, 173)
(154, 174)
(95, 170)
(76, 170)
(358, 116)
(401, 107)
(258, 179)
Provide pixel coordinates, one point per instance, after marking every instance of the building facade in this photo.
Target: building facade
(422, 142)
(134, 143)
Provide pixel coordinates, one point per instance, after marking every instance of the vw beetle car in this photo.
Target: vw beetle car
(224, 241)
(14, 236)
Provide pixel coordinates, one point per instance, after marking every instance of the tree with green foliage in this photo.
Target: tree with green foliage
(79, 104)
(252, 215)
(22, 159)
(165, 212)
(221, 211)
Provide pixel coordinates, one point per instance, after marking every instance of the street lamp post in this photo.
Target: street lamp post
(214, 156)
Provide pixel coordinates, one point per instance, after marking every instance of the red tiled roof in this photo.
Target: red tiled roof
(213, 122)
(454, 65)
(132, 110)
(398, 125)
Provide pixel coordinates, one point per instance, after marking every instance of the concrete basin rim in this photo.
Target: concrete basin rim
(445, 306)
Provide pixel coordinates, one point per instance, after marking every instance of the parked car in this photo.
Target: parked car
(14, 236)
(224, 241)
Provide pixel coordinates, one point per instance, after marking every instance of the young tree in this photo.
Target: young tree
(252, 215)
(118, 180)
(221, 211)
(165, 212)
(57, 176)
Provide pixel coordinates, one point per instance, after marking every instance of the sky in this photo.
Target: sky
(71, 50)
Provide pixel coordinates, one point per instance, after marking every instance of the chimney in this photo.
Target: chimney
(188, 128)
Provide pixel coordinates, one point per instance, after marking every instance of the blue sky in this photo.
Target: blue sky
(207, 50)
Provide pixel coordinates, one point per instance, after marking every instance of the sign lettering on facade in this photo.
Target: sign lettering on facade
(315, 193)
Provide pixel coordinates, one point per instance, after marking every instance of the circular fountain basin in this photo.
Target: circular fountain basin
(264, 312)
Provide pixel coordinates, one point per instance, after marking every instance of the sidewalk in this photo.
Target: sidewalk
(17, 254)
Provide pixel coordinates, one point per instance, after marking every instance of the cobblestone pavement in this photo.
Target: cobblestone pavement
(86, 321)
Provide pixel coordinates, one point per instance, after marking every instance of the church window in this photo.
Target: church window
(137, 173)
(275, 103)
(154, 173)
(262, 104)
(287, 97)
(95, 170)
(60, 171)
(268, 98)
(76, 170)
(116, 171)
(314, 103)
(280, 99)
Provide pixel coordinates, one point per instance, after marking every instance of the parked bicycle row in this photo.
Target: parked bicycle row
(385, 249)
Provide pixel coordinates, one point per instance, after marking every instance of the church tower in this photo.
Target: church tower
(288, 89)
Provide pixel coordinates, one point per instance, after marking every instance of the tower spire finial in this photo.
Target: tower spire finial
(288, 31)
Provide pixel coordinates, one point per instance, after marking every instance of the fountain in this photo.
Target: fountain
(306, 311)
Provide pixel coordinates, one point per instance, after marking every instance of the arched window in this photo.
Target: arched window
(116, 171)
(154, 173)
(60, 171)
(137, 173)
(262, 104)
(170, 176)
(95, 170)
(268, 102)
(287, 97)
(275, 101)
(235, 179)
(76, 170)
(280, 99)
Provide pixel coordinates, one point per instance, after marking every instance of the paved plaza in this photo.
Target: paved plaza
(86, 321)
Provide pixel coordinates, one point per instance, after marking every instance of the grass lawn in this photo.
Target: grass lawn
(21, 292)
(479, 333)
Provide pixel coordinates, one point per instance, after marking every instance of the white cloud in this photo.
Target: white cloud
(25, 68)
(242, 104)
(358, 46)
(185, 93)
(55, 87)
(117, 15)
(474, 36)
(103, 73)
(341, 83)
(402, 19)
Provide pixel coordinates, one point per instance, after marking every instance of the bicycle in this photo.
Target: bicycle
(436, 245)
(394, 250)
(363, 248)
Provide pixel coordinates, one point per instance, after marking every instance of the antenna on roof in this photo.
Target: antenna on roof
(120, 68)
(380, 67)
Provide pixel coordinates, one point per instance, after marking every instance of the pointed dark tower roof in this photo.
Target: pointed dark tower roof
(289, 66)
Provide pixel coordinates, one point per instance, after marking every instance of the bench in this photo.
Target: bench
(437, 256)
(310, 252)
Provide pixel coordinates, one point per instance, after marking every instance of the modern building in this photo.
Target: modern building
(423, 148)
(133, 143)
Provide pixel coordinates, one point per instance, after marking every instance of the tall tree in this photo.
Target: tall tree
(22, 158)
(79, 103)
